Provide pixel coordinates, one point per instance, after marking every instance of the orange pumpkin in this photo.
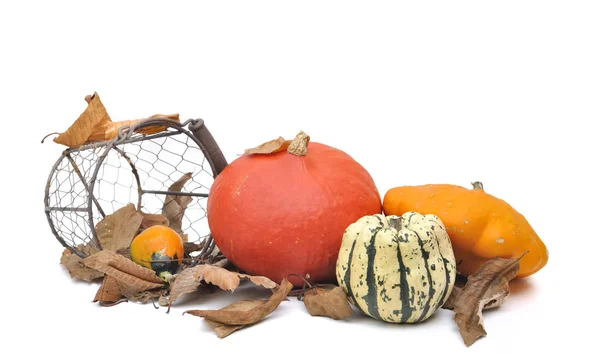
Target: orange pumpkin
(285, 212)
(158, 248)
(480, 225)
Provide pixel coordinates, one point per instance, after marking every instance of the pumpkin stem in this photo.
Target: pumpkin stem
(299, 145)
(477, 185)
(395, 222)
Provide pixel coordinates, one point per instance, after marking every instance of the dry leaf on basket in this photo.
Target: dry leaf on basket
(485, 289)
(243, 313)
(189, 280)
(94, 125)
(149, 220)
(175, 205)
(117, 230)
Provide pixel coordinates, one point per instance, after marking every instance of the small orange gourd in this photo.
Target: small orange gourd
(158, 248)
(480, 225)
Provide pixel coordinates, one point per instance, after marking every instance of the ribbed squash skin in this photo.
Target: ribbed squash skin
(158, 243)
(280, 214)
(400, 276)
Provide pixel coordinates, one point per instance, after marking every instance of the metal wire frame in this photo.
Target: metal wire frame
(196, 131)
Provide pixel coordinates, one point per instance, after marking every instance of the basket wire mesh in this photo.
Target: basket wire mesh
(92, 181)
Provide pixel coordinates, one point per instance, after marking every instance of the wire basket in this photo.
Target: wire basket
(92, 181)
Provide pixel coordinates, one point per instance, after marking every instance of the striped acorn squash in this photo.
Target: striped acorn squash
(397, 268)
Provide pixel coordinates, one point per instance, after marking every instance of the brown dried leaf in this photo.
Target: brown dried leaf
(149, 220)
(76, 268)
(223, 330)
(190, 278)
(459, 284)
(129, 274)
(111, 130)
(273, 146)
(190, 247)
(81, 130)
(250, 315)
(109, 291)
(117, 230)
(175, 205)
(487, 287)
(94, 125)
(185, 282)
(451, 301)
(327, 302)
(144, 296)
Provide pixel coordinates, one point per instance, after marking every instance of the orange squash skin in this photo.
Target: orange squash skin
(157, 242)
(280, 214)
(480, 225)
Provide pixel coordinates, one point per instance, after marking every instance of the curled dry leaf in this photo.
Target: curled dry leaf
(174, 205)
(487, 287)
(190, 278)
(327, 302)
(250, 313)
(459, 284)
(79, 133)
(109, 291)
(76, 268)
(143, 296)
(117, 230)
(273, 146)
(223, 330)
(129, 274)
(190, 247)
(94, 124)
(451, 301)
(149, 220)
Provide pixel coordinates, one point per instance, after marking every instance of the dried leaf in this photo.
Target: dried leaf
(79, 132)
(185, 282)
(109, 291)
(144, 296)
(94, 125)
(190, 247)
(129, 274)
(190, 278)
(175, 205)
(250, 315)
(223, 330)
(459, 284)
(488, 286)
(117, 230)
(273, 146)
(111, 130)
(451, 301)
(76, 268)
(321, 301)
(149, 220)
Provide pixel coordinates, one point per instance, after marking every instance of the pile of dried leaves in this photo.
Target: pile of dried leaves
(124, 280)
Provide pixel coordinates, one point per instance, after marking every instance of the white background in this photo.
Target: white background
(507, 93)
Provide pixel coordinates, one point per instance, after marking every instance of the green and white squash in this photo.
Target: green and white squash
(397, 269)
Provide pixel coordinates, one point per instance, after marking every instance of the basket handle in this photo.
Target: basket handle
(206, 139)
